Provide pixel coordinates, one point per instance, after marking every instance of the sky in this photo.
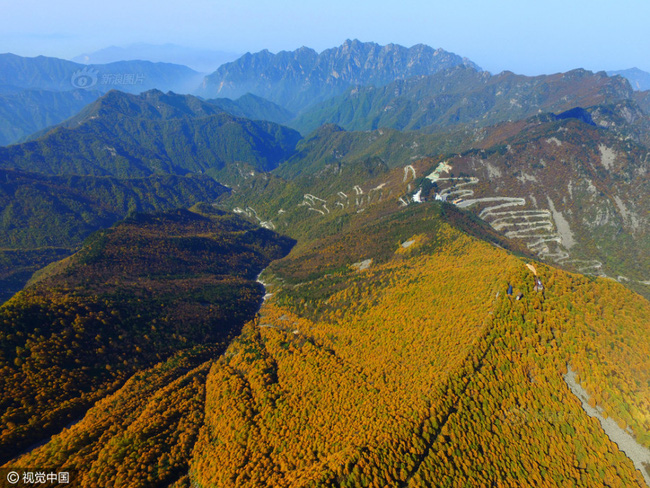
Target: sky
(525, 36)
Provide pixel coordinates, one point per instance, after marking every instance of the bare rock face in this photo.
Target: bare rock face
(575, 194)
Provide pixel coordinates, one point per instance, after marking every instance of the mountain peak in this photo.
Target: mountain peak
(137, 135)
(328, 129)
(639, 79)
(152, 104)
(300, 78)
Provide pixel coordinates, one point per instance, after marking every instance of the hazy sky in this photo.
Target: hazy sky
(525, 36)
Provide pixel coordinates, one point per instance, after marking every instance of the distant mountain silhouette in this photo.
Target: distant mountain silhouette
(203, 60)
(640, 80)
(300, 78)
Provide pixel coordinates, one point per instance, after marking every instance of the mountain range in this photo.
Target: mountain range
(293, 80)
(129, 136)
(202, 60)
(53, 74)
(462, 95)
(300, 78)
(442, 280)
(122, 153)
(138, 135)
(39, 92)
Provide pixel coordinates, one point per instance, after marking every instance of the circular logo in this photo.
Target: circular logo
(13, 477)
(84, 78)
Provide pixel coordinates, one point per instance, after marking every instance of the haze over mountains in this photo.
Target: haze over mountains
(156, 133)
(18, 73)
(462, 95)
(302, 77)
(39, 92)
(202, 60)
(640, 80)
(25, 112)
(444, 249)
(292, 80)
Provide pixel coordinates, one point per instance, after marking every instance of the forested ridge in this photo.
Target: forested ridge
(121, 154)
(61, 211)
(419, 369)
(139, 135)
(134, 295)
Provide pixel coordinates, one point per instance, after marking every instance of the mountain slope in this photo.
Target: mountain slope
(18, 265)
(573, 193)
(134, 295)
(138, 135)
(253, 107)
(576, 194)
(628, 119)
(29, 111)
(44, 218)
(643, 99)
(376, 331)
(53, 74)
(640, 80)
(370, 365)
(203, 60)
(332, 146)
(60, 211)
(462, 95)
(300, 78)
